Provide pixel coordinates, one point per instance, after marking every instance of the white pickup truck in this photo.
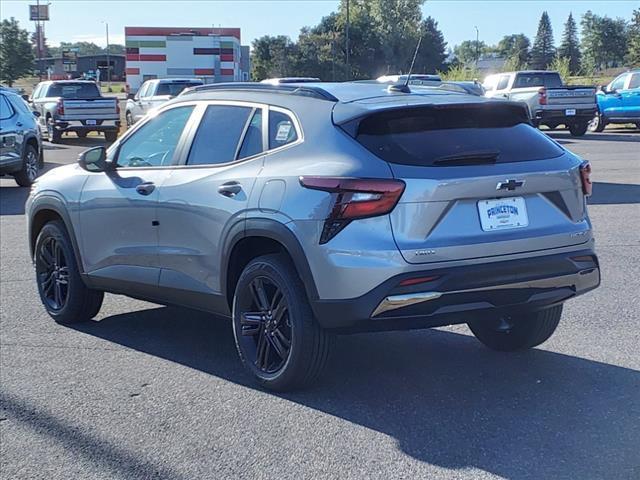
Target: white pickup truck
(549, 100)
(75, 106)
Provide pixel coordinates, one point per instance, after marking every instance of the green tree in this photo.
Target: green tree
(433, 49)
(468, 51)
(516, 50)
(633, 53)
(543, 51)
(16, 53)
(570, 47)
(604, 41)
(272, 57)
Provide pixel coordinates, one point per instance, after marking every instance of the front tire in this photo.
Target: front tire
(62, 291)
(578, 129)
(30, 164)
(517, 333)
(597, 123)
(278, 339)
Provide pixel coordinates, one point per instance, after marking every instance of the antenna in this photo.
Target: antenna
(405, 87)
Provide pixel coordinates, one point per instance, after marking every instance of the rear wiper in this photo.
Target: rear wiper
(469, 158)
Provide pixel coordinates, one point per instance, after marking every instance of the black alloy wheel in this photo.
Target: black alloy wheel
(265, 328)
(53, 274)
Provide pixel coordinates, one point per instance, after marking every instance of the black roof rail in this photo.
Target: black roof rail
(288, 89)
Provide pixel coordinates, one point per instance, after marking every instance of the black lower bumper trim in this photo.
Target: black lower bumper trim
(461, 292)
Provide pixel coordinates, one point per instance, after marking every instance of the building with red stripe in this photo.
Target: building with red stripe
(212, 54)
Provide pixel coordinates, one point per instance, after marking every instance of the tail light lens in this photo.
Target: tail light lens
(585, 177)
(60, 107)
(542, 96)
(354, 198)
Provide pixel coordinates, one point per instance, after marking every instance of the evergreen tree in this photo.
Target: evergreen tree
(16, 54)
(516, 50)
(543, 51)
(633, 53)
(570, 48)
(433, 49)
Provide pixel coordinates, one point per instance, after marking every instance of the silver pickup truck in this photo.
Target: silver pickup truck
(75, 106)
(549, 100)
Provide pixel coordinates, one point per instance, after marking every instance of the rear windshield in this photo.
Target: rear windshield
(453, 136)
(549, 80)
(73, 90)
(174, 89)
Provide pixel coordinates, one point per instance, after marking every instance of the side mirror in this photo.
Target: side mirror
(26, 98)
(36, 113)
(131, 96)
(94, 160)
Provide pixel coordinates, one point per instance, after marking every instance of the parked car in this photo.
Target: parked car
(278, 81)
(549, 101)
(304, 210)
(75, 106)
(426, 79)
(470, 87)
(154, 93)
(618, 102)
(20, 142)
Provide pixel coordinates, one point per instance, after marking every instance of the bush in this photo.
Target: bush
(562, 66)
(460, 73)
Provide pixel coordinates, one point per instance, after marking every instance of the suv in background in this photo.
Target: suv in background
(618, 102)
(154, 93)
(549, 101)
(75, 106)
(20, 143)
(304, 210)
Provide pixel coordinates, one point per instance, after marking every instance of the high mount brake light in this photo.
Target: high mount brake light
(585, 178)
(354, 198)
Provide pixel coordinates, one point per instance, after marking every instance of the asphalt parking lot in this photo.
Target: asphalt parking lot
(157, 392)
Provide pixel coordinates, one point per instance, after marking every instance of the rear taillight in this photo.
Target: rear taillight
(354, 198)
(585, 177)
(60, 108)
(542, 96)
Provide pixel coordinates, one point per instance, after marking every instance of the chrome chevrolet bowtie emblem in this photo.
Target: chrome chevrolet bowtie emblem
(509, 184)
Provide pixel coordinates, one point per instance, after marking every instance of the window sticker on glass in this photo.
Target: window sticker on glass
(283, 132)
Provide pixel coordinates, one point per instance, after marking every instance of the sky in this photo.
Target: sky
(84, 20)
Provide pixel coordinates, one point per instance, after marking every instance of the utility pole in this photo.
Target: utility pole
(477, 46)
(347, 42)
(108, 58)
(39, 40)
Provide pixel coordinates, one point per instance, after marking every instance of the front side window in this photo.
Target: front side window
(219, 134)
(503, 83)
(142, 91)
(281, 129)
(618, 83)
(155, 142)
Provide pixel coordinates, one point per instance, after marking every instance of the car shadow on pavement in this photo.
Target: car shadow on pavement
(443, 397)
(13, 197)
(605, 193)
(566, 138)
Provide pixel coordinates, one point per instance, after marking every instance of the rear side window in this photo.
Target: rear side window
(219, 134)
(454, 136)
(73, 90)
(18, 103)
(281, 129)
(6, 111)
(174, 89)
(549, 80)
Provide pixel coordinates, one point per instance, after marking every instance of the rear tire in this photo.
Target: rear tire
(597, 123)
(578, 129)
(30, 164)
(521, 333)
(63, 293)
(278, 339)
(111, 136)
(55, 136)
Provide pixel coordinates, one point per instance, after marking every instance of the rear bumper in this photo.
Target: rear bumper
(461, 293)
(81, 125)
(560, 115)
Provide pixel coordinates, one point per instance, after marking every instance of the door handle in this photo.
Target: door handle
(18, 124)
(145, 188)
(230, 189)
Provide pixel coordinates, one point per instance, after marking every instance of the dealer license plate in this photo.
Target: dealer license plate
(570, 112)
(502, 214)
(90, 122)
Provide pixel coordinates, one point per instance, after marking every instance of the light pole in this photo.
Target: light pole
(477, 46)
(347, 42)
(106, 25)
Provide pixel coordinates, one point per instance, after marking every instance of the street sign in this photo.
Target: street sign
(38, 13)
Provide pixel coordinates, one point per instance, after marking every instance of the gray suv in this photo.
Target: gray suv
(301, 211)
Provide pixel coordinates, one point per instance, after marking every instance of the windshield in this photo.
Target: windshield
(73, 90)
(174, 89)
(466, 134)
